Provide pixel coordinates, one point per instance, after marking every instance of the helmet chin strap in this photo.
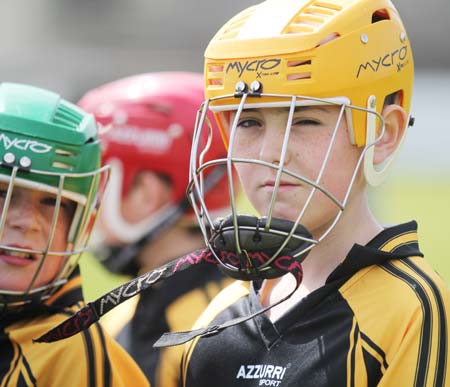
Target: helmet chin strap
(256, 263)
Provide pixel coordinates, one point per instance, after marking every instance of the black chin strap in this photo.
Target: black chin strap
(260, 258)
(93, 311)
(177, 338)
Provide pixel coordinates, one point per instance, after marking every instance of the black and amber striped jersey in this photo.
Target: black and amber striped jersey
(91, 358)
(381, 319)
(173, 305)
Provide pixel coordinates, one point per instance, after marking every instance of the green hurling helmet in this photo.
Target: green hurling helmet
(49, 145)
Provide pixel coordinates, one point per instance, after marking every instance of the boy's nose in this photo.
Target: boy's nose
(272, 146)
(23, 215)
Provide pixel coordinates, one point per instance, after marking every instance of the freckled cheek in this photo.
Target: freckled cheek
(338, 174)
(246, 145)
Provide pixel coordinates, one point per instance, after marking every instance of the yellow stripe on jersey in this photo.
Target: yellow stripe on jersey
(223, 300)
(430, 369)
(73, 283)
(19, 372)
(193, 303)
(13, 366)
(27, 374)
(82, 360)
(431, 361)
(400, 240)
(351, 354)
(401, 317)
(375, 352)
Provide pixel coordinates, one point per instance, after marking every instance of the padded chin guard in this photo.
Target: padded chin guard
(259, 245)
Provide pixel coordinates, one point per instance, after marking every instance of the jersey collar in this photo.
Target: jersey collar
(394, 242)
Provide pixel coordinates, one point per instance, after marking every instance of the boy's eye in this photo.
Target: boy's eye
(248, 123)
(305, 121)
(51, 201)
(3, 193)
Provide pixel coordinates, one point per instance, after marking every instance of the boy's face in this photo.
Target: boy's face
(259, 135)
(28, 226)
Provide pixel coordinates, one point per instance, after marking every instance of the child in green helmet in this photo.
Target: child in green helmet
(50, 188)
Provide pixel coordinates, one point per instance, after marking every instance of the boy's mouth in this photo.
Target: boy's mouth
(18, 254)
(284, 185)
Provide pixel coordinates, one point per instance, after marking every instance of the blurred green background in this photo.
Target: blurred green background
(426, 200)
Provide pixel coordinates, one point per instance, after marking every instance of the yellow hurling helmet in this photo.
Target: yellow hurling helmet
(353, 54)
(357, 49)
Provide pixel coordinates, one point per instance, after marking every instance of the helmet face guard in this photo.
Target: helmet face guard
(85, 211)
(285, 230)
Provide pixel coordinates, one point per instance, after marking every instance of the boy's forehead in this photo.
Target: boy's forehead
(29, 190)
(32, 188)
(327, 109)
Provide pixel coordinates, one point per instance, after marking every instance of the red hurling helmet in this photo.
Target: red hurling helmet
(148, 122)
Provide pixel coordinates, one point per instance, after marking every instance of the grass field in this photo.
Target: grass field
(427, 201)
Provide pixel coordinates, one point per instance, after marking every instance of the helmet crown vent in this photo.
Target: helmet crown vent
(233, 28)
(311, 18)
(66, 116)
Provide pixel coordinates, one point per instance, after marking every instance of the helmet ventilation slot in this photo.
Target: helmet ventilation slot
(311, 18)
(215, 74)
(63, 159)
(301, 67)
(380, 15)
(234, 27)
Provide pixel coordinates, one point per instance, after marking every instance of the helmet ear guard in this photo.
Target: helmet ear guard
(373, 175)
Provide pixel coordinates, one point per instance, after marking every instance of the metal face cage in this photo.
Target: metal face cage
(254, 99)
(80, 226)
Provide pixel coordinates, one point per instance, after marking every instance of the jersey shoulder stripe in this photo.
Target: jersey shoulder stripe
(351, 372)
(17, 353)
(374, 350)
(430, 356)
(89, 349)
(28, 374)
(442, 326)
(223, 300)
(105, 358)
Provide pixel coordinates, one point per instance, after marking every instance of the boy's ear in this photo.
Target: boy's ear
(395, 126)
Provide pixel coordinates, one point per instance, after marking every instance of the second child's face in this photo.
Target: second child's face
(259, 135)
(28, 225)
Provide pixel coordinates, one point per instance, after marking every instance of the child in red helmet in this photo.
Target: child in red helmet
(146, 220)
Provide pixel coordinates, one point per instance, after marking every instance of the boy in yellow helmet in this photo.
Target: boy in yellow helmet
(313, 101)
